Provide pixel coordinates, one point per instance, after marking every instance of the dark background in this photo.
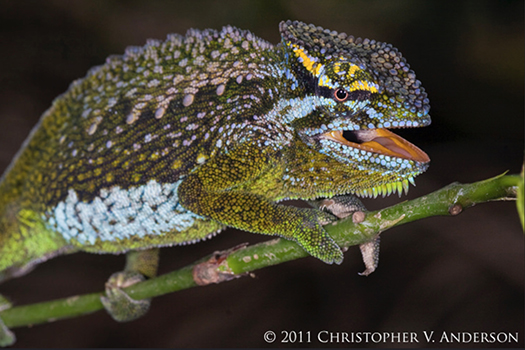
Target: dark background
(464, 273)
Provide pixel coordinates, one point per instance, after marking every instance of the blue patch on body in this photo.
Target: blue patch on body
(117, 214)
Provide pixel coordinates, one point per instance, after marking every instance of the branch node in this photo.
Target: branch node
(358, 217)
(216, 269)
(455, 209)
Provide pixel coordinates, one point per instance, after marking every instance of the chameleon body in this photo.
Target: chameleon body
(174, 141)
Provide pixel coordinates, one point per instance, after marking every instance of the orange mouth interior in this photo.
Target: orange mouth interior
(381, 141)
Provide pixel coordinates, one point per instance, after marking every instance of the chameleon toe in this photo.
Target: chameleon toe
(7, 337)
(118, 304)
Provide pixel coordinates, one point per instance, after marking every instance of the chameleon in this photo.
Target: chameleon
(172, 142)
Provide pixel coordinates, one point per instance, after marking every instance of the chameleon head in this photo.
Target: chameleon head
(357, 89)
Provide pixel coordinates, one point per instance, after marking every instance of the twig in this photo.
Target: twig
(238, 261)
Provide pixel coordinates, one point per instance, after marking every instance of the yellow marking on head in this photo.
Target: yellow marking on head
(308, 62)
(325, 81)
(363, 85)
(337, 67)
(317, 69)
(352, 70)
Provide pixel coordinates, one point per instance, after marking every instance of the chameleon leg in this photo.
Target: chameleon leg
(343, 206)
(139, 266)
(228, 197)
(7, 337)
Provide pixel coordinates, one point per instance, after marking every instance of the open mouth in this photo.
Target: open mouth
(380, 141)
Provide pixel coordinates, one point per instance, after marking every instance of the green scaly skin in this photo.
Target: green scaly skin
(172, 142)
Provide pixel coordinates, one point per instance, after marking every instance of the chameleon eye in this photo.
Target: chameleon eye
(340, 95)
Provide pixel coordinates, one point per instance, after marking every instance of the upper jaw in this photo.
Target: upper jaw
(379, 141)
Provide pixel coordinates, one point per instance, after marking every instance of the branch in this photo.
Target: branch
(241, 260)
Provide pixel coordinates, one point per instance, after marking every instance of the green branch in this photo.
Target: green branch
(238, 261)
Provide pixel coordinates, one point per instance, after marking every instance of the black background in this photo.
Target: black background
(464, 273)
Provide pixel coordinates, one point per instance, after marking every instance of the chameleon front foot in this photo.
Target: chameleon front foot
(314, 239)
(118, 303)
(322, 247)
(7, 337)
(344, 206)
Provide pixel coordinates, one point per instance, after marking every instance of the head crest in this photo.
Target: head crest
(315, 48)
